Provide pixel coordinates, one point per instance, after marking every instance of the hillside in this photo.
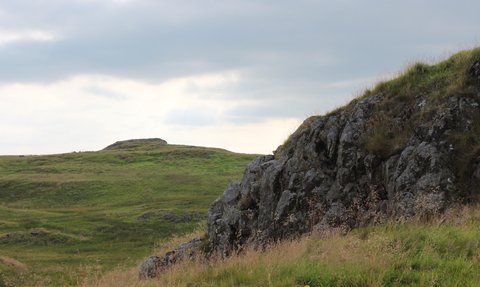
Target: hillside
(439, 252)
(65, 215)
(407, 149)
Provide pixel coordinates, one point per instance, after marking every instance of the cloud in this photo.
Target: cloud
(104, 93)
(107, 109)
(8, 37)
(272, 42)
(247, 138)
(192, 116)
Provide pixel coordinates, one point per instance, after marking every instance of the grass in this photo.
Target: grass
(68, 216)
(444, 251)
(418, 81)
(389, 130)
(440, 80)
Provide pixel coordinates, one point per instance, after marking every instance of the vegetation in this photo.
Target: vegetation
(438, 250)
(434, 83)
(66, 217)
(444, 251)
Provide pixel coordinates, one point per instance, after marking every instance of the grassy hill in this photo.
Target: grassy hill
(67, 216)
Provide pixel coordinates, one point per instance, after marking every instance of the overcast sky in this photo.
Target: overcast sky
(78, 75)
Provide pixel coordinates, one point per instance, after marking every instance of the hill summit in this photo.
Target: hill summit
(143, 144)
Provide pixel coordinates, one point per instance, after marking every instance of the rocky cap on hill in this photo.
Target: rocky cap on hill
(135, 143)
(410, 147)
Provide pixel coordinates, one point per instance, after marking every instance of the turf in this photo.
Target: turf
(63, 216)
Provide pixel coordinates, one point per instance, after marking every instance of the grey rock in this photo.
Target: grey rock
(155, 266)
(324, 179)
(285, 203)
(475, 70)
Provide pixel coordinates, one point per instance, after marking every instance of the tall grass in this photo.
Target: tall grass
(432, 80)
(444, 251)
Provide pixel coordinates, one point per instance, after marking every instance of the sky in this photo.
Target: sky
(79, 75)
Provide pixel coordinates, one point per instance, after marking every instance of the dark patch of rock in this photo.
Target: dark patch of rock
(186, 216)
(155, 265)
(475, 70)
(145, 216)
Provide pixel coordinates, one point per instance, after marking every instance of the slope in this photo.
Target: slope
(60, 214)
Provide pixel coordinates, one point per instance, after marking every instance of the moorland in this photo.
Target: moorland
(67, 217)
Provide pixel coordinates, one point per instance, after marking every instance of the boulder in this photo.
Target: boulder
(155, 265)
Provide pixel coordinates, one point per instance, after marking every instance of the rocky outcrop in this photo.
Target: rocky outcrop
(353, 168)
(135, 144)
(381, 156)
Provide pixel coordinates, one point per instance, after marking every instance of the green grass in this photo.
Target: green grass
(389, 130)
(444, 251)
(87, 205)
(433, 84)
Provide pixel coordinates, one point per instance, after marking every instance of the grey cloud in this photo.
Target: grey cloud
(195, 116)
(294, 107)
(282, 49)
(156, 40)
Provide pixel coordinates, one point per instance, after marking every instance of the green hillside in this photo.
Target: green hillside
(63, 214)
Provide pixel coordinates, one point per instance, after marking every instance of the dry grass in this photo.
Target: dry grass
(13, 264)
(438, 251)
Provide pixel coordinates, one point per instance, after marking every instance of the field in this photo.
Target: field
(66, 217)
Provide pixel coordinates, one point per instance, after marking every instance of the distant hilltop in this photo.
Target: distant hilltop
(136, 144)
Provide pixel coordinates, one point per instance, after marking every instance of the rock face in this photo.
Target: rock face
(382, 156)
(351, 169)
